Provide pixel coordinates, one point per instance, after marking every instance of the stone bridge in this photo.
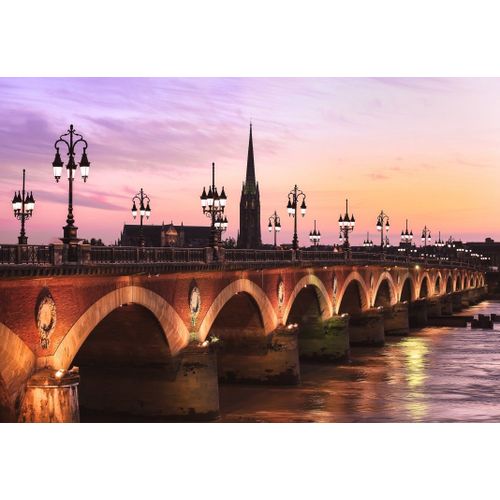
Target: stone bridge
(140, 341)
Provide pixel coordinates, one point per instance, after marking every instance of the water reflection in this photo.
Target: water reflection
(434, 375)
(415, 350)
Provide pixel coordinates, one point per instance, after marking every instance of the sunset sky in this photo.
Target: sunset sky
(426, 149)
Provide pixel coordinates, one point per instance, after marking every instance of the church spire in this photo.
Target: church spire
(249, 233)
(250, 177)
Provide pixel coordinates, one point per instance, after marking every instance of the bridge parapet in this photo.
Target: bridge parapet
(26, 260)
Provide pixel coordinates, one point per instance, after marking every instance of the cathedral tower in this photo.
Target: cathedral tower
(249, 234)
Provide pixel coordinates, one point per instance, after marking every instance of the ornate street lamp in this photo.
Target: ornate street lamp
(315, 235)
(439, 242)
(426, 237)
(439, 246)
(70, 230)
(406, 240)
(213, 205)
(23, 205)
(368, 243)
(144, 211)
(383, 222)
(293, 200)
(274, 225)
(346, 225)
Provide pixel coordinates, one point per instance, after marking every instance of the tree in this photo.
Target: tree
(229, 243)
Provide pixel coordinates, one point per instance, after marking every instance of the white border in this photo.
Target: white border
(242, 38)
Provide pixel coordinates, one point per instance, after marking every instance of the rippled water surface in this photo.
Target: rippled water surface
(433, 375)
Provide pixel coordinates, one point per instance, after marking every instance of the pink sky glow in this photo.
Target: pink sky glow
(426, 149)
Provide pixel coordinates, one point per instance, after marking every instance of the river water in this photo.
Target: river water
(433, 375)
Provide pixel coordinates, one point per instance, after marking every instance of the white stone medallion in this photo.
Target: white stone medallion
(46, 318)
(194, 302)
(281, 293)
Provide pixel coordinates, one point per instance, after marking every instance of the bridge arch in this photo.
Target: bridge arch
(458, 282)
(408, 288)
(268, 315)
(352, 281)
(174, 329)
(325, 303)
(384, 288)
(449, 284)
(438, 284)
(17, 363)
(424, 289)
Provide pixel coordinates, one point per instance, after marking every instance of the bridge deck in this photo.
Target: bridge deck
(43, 260)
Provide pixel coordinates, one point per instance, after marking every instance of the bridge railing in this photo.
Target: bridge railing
(241, 255)
(320, 255)
(25, 254)
(125, 255)
(89, 255)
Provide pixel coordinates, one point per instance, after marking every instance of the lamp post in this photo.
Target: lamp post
(383, 222)
(71, 139)
(213, 206)
(315, 235)
(439, 244)
(144, 211)
(346, 225)
(406, 239)
(293, 199)
(274, 225)
(23, 205)
(368, 243)
(426, 237)
(460, 250)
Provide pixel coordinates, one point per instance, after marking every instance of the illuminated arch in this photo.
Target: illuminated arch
(437, 277)
(176, 332)
(385, 276)
(449, 283)
(466, 281)
(325, 303)
(17, 362)
(413, 285)
(423, 277)
(269, 317)
(365, 294)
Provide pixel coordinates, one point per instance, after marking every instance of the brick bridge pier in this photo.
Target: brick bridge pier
(150, 333)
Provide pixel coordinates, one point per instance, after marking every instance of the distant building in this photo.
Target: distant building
(166, 235)
(489, 248)
(249, 234)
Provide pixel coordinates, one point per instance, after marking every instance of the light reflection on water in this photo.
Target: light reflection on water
(433, 375)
